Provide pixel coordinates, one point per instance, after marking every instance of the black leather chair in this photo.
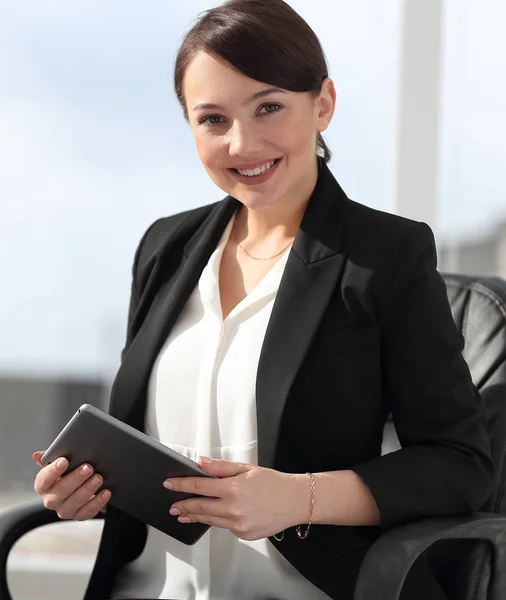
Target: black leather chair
(467, 554)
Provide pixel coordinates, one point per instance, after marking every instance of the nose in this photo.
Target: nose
(244, 140)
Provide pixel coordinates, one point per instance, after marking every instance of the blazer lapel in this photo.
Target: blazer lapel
(310, 277)
(128, 395)
(312, 271)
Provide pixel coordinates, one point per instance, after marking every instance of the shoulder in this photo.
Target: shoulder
(386, 236)
(389, 255)
(158, 232)
(181, 224)
(382, 226)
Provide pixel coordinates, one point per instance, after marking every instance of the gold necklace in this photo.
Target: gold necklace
(259, 258)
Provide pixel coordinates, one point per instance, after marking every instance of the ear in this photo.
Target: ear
(326, 103)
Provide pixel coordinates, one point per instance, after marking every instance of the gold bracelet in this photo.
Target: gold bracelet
(303, 536)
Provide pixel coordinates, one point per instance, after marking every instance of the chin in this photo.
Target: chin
(256, 201)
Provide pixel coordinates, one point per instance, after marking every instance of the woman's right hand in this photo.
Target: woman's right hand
(72, 496)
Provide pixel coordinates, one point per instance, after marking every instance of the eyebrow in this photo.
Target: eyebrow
(258, 95)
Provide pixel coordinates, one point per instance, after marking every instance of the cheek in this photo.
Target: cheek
(297, 136)
(210, 152)
(206, 148)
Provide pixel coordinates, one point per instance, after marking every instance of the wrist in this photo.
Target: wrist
(301, 499)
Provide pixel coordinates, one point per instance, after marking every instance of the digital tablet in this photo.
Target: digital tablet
(133, 466)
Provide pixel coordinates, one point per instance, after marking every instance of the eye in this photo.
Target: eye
(272, 106)
(209, 120)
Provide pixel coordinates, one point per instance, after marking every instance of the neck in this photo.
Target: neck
(277, 223)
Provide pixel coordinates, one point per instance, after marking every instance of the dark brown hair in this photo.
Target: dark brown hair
(265, 40)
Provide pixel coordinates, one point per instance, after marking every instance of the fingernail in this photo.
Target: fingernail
(168, 485)
(85, 470)
(183, 519)
(174, 511)
(206, 460)
(106, 494)
(61, 462)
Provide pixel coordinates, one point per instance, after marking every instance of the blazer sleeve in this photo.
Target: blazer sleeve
(444, 465)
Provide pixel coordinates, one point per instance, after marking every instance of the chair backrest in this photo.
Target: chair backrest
(478, 306)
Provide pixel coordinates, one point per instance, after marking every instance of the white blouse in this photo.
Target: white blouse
(201, 401)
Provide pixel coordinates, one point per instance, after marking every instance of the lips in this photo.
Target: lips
(252, 180)
(255, 165)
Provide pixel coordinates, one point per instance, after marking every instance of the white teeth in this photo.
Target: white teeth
(258, 170)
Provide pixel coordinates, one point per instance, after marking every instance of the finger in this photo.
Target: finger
(49, 475)
(68, 484)
(220, 522)
(81, 496)
(93, 506)
(64, 485)
(37, 456)
(202, 486)
(213, 507)
(223, 468)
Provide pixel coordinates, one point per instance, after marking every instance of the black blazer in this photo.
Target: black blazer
(361, 327)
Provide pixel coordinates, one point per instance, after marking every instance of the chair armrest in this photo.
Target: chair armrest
(390, 558)
(14, 523)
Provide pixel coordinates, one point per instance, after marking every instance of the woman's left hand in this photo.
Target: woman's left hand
(253, 502)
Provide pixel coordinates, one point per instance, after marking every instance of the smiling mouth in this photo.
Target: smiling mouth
(258, 171)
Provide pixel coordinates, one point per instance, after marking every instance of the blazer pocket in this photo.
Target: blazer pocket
(348, 339)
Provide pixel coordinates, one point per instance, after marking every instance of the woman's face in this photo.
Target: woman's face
(240, 123)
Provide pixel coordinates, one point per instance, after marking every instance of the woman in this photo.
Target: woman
(274, 331)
